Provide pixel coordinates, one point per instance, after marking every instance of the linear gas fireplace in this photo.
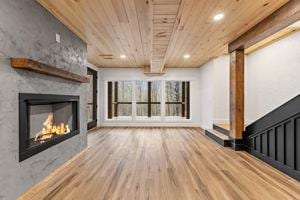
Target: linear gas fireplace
(46, 120)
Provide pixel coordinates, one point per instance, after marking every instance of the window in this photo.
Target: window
(146, 102)
(141, 94)
(178, 99)
(119, 99)
(155, 98)
(148, 98)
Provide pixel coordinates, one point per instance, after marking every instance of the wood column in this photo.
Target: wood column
(236, 95)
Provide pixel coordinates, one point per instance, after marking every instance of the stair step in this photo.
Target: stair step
(222, 128)
(218, 137)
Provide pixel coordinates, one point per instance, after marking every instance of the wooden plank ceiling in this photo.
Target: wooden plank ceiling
(157, 33)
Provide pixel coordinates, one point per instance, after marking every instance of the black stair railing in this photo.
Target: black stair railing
(275, 138)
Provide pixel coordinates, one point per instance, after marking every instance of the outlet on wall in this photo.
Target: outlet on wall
(57, 38)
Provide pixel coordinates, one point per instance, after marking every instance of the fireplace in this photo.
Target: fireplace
(46, 120)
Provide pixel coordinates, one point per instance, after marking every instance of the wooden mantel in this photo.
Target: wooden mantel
(31, 65)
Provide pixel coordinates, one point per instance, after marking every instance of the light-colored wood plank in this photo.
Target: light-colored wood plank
(163, 28)
(158, 32)
(162, 163)
(198, 35)
(219, 134)
(224, 126)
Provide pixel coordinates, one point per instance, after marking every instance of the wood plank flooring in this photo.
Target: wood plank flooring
(159, 164)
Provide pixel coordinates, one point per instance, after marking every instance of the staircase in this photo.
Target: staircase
(219, 134)
(275, 138)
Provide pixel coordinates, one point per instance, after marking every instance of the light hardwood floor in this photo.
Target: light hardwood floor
(159, 164)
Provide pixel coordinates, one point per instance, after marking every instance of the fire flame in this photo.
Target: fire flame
(49, 130)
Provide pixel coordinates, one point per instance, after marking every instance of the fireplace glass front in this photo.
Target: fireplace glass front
(46, 120)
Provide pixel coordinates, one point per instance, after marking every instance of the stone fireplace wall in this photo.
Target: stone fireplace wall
(28, 30)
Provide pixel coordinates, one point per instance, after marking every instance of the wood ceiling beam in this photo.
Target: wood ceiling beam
(281, 18)
(147, 71)
(274, 38)
(163, 17)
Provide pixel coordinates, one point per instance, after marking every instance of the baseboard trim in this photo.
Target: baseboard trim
(141, 126)
(149, 125)
(93, 129)
(237, 144)
(276, 164)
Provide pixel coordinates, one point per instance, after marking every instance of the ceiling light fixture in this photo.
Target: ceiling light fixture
(218, 17)
(122, 56)
(186, 56)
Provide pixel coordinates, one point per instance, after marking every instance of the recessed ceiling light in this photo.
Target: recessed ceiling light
(186, 56)
(122, 56)
(218, 17)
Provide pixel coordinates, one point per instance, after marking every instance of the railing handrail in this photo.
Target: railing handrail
(283, 112)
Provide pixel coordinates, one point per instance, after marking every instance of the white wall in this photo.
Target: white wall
(214, 92)
(271, 79)
(272, 76)
(221, 89)
(206, 101)
(192, 75)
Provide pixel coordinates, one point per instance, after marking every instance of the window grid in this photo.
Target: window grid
(149, 93)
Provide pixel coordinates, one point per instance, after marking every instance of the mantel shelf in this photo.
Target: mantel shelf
(31, 65)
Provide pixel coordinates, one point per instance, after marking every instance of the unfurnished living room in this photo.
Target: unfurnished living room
(150, 99)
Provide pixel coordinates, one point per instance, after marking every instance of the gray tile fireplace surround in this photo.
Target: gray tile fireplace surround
(27, 30)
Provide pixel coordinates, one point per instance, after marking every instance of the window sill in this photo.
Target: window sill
(177, 119)
(148, 118)
(120, 119)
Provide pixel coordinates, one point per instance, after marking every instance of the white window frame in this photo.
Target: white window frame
(134, 117)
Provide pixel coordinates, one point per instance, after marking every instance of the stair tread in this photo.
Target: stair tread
(219, 135)
(223, 126)
(226, 126)
(222, 129)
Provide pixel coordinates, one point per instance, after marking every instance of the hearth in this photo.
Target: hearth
(46, 120)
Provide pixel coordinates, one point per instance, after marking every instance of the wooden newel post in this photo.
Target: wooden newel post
(237, 98)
